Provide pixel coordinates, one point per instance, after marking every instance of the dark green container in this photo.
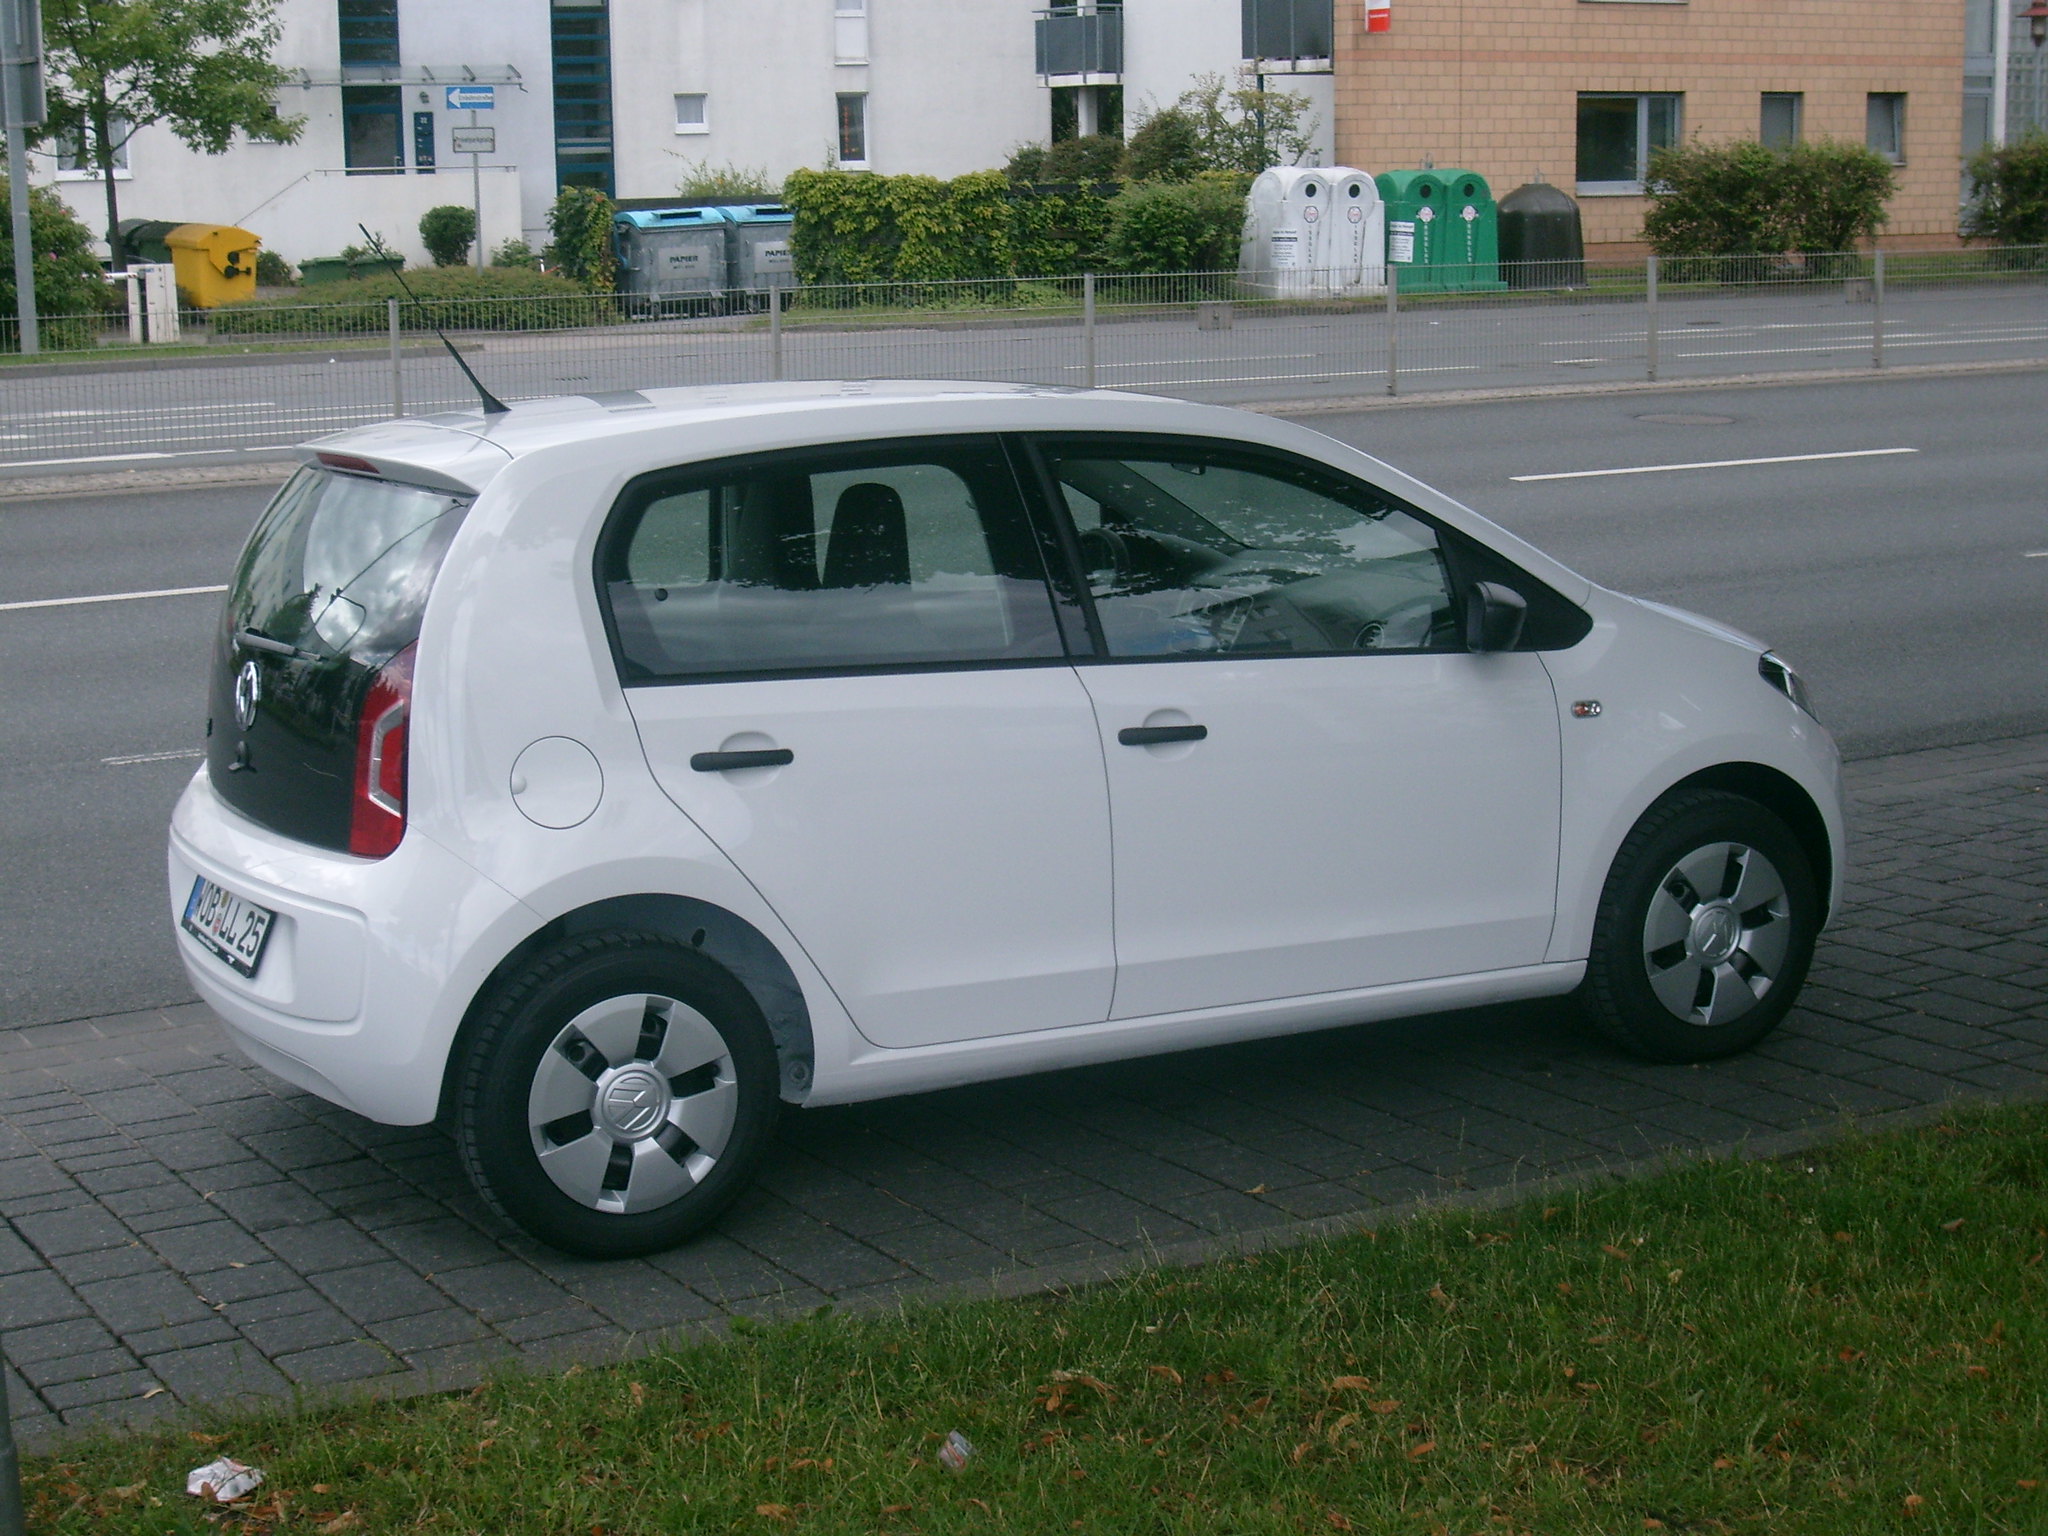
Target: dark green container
(1443, 231)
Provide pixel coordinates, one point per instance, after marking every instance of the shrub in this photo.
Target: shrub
(1730, 210)
(1166, 147)
(516, 253)
(448, 232)
(1834, 195)
(1089, 160)
(70, 288)
(1217, 126)
(581, 250)
(453, 297)
(273, 271)
(1178, 227)
(734, 183)
(2009, 192)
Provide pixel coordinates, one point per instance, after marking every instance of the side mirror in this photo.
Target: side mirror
(1493, 617)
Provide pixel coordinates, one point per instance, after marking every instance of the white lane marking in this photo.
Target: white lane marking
(151, 757)
(1658, 469)
(2035, 554)
(122, 458)
(109, 597)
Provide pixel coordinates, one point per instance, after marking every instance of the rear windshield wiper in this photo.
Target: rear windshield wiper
(256, 640)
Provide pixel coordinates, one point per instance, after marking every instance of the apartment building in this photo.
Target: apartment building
(1581, 92)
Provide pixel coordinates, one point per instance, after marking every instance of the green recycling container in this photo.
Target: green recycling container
(1468, 247)
(1443, 230)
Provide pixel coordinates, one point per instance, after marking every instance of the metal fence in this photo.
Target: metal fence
(260, 378)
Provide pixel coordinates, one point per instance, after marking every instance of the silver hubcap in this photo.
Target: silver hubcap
(1716, 934)
(633, 1103)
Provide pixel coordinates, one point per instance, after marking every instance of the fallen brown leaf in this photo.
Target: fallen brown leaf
(1614, 1252)
(1416, 1453)
(1388, 1405)
(1165, 1373)
(1337, 1521)
(347, 1520)
(1723, 1463)
(1436, 1294)
(1350, 1383)
(1954, 1226)
(775, 1511)
(1913, 1503)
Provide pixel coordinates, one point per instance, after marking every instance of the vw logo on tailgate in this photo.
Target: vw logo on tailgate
(248, 694)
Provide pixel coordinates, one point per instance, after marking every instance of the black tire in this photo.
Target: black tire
(526, 1069)
(1735, 910)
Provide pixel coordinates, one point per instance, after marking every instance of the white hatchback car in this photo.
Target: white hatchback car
(596, 776)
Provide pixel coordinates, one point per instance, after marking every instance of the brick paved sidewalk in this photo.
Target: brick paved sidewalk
(183, 1229)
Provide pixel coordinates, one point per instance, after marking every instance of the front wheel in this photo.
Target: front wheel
(1705, 930)
(618, 1093)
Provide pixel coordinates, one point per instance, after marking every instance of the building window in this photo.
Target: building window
(369, 34)
(370, 140)
(853, 128)
(850, 31)
(690, 113)
(74, 163)
(1884, 125)
(1779, 119)
(581, 36)
(1617, 135)
(1287, 29)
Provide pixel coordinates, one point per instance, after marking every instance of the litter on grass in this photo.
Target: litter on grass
(954, 1453)
(223, 1481)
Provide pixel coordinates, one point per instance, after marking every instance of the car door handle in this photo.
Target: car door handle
(722, 762)
(1159, 735)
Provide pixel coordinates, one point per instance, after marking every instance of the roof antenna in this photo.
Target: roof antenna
(493, 406)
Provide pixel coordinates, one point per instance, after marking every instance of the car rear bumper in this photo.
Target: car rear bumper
(360, 1011)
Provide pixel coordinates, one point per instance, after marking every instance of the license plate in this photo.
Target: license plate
(234, 929)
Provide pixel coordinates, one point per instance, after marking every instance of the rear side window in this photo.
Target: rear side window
(860, 557)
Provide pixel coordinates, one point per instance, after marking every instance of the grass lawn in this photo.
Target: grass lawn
(1850, 1342)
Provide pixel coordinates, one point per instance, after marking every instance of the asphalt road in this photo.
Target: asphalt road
(1276, 353)
(1912, 588)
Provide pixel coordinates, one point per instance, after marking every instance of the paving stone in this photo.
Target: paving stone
(428, 1330)
(110, 1386)
(35, 1297)
(375, 1293)
(59, 1369)
(106, 1264)
(157, 1341)
(316, 1328)
(218, 1372)
(323, 1245)
(330, 1365)
(501, 1290)
(155, 1300)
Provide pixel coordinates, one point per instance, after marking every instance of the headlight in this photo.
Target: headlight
(1776, 671)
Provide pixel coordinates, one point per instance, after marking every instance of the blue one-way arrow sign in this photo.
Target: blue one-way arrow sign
(472, 98)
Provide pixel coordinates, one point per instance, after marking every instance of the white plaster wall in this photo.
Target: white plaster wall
(950, 86)
(294, 196)
(1167, 43)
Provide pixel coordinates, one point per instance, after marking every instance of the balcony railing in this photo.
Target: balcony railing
(1072, 41)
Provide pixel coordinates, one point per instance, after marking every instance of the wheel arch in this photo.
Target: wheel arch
(1784, 797)
(735, 944)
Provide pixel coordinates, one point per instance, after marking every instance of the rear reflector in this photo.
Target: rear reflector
(377, 803)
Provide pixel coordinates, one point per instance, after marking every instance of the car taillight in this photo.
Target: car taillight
(377, 805)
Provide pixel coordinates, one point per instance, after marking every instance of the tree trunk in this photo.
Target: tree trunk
(103, 153)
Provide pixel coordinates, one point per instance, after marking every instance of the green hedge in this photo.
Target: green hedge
(2009, 192)
(453, 297)
(857, 228)
(1731, 210)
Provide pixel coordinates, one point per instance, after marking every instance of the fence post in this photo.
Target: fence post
(775, 334)
(397, 371)
(11, 1521)
(1877, 309)
(1650, 308)
(1393, 328)
(1088, 327)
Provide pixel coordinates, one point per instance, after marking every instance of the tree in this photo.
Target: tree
(448, 232)
(581, 223)
(1217, 126)
(201, 67)
(71, 291)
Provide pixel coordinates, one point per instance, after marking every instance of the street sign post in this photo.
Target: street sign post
(21, 97)
(474, 141)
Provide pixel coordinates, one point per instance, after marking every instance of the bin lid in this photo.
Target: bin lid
(667, 218)
(214, 239)
(1468, 186)
(759, 213)
(1538, 197)
(1410, 186)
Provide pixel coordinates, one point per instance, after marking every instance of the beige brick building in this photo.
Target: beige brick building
(1581, 89)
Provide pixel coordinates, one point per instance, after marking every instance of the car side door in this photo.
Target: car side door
(1315, 784)
(846, 666)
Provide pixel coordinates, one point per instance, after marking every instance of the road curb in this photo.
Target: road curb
(120, 481)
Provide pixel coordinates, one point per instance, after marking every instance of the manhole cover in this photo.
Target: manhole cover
(1687, 419)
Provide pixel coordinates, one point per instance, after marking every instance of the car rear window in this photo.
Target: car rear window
(341, 564)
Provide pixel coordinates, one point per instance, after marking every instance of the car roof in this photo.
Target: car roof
(465, 450)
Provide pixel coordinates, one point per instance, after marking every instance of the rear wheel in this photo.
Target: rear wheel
(1705, 930)
(617, 1095)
